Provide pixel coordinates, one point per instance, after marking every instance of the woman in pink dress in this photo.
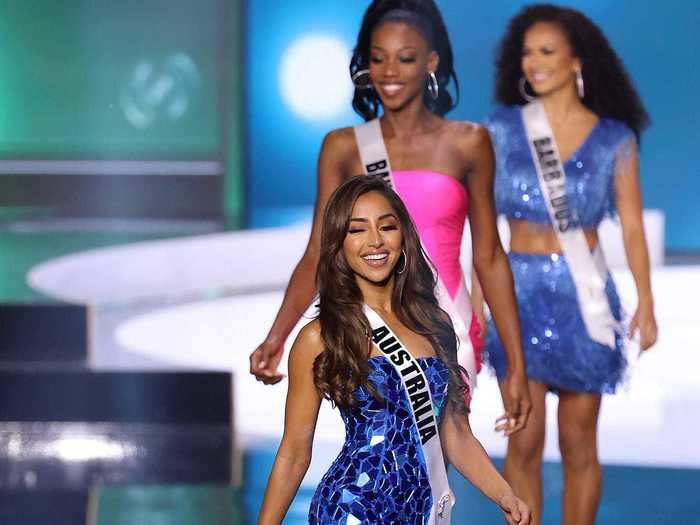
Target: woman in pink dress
(442, 169)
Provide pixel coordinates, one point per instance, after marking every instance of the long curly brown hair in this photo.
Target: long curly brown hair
(609, 89)
(343, 367)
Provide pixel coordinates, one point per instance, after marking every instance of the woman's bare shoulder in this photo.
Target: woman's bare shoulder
(309, 343)
(340, 140)
(470, 138)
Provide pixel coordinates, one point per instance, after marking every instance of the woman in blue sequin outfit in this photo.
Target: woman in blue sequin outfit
(372, 267)
(559, 56)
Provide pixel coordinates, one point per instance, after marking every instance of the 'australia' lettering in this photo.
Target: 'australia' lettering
(414, 380)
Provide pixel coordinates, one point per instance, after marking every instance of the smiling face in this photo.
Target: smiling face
(373, 242)
(399, 64)
(548, 61)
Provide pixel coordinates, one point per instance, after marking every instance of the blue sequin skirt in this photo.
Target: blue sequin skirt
(558, 350)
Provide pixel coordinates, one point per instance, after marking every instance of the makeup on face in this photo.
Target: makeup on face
(373, 242)
(548, 61)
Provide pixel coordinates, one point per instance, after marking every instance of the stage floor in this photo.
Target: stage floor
(205, 302)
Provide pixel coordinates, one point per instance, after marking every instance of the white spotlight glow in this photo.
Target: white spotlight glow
(313, 77)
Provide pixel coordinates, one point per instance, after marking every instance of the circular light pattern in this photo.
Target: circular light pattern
(160, 90)
(314, 79)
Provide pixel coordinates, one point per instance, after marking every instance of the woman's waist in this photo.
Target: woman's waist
(535, 238)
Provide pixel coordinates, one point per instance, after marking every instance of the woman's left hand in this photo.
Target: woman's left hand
(516, 402)
(515, 510)
(644, 322)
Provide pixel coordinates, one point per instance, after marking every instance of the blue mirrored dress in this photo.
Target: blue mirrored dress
(558, 351)
(380, 474)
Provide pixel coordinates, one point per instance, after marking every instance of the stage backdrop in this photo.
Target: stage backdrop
(297, 89)
(125, 108)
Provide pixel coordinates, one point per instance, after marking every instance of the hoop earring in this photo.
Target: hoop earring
(433, 86)
(580, 88)
(523, 91)
(405, 262)
(358, 82)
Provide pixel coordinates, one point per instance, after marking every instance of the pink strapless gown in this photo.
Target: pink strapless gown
(439, 205)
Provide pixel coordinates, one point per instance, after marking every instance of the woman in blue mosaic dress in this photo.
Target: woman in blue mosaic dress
(385, 354)
(566, 141)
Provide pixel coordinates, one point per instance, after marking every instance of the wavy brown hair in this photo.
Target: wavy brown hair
(343, 367)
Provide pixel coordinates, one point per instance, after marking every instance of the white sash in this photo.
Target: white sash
(589, 271)
(418, 394)
(375, 160)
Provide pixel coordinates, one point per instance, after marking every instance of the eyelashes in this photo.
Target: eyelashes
(403, 60)
(383, 228)
(544, 51)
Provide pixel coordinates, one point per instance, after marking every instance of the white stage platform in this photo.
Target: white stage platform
(224, 289)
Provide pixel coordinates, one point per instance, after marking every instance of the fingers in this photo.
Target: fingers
(259, 367)
(634, 325)
(648, 337)
(272, 379)
(506, 424)
(518, 424)
(524, 413)
(516, 512)
(258, 360)
(503, 423)
(511, 511)
(525, 516)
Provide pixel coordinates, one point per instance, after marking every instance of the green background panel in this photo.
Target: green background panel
(67, 66)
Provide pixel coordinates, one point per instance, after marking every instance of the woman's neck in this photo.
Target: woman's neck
(377, 295)
(410, 120)
(563, 105)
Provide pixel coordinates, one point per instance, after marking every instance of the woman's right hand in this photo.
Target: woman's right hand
(264, 362)
(515, 511)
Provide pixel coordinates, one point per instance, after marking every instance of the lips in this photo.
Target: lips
(539, 76)
(376, 260)
(391, 89)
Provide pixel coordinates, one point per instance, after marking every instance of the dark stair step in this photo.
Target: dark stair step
(70, 427)
(43, 332)
(80, 394)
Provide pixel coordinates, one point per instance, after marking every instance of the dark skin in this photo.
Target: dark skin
(415, 138)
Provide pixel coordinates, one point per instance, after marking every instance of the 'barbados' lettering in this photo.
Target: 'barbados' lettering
(379, 168)
(556, 192)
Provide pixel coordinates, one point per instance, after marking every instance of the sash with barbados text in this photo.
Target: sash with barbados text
(588, 270)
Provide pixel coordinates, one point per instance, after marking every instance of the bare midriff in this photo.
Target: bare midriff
(529, 237)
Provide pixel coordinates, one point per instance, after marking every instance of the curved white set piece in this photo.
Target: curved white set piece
(233, 283)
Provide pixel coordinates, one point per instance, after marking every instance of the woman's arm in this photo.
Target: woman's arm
(477, 300)
(301, 289)
(493, 270)
(301, 411)
(467, 455)
(629, 205)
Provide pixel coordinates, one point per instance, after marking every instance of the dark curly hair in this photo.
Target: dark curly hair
(609, 90)
(426, 18)
(342, 367)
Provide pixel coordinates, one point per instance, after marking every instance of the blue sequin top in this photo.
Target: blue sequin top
(380, 475)
(589, 171)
